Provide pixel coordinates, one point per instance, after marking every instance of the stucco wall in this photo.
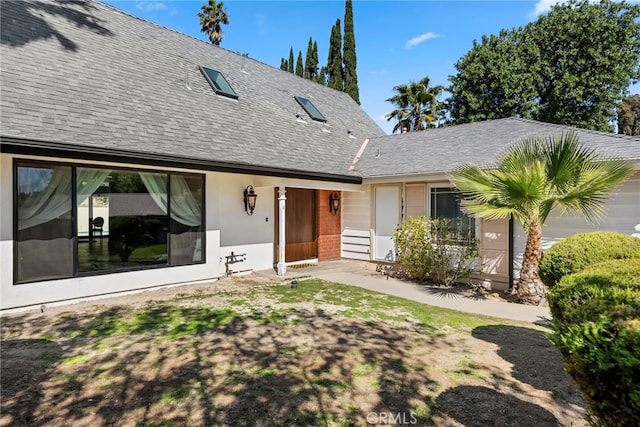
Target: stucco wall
(250, 236)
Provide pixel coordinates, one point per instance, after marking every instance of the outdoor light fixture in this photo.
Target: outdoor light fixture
(250, 197)
(334, 203)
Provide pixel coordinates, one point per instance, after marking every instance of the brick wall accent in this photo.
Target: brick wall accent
(329, 228)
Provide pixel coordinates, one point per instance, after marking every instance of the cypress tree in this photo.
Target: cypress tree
(334, 61)
(284, 65)
(311, 67)
(299, 66)
(322, 76)
(316, 61)
(291, 63)
(349, 54)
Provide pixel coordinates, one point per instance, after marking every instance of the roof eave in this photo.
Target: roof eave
(14, 145)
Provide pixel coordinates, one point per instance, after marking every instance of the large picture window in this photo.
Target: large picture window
(445, 203)
(99, 219)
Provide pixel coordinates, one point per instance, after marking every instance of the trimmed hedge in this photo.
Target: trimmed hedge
(582, 250)
(597, 317)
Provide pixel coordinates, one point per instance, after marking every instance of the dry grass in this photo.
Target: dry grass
(240, 353)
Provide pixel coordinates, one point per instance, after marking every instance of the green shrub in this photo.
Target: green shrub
(433, 249)
(582, 250)
(596, 314)
(412, 251)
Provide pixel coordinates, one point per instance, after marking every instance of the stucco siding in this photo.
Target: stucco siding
(622, 215)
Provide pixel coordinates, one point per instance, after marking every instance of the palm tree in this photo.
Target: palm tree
(532, 178)
(213, 14)
(417, 105)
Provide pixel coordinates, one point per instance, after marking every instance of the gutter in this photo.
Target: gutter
(13, 145)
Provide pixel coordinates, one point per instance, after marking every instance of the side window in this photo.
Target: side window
(445, 203)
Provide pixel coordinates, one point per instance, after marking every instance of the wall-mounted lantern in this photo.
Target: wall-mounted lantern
(334, 202)
(250, 197)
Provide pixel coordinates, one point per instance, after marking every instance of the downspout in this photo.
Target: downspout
(282, 268)
(510, 252)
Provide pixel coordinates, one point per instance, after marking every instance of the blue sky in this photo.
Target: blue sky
(396, 41)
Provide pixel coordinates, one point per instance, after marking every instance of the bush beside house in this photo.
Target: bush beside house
(596, 314)
(435, 249)
(579, 251)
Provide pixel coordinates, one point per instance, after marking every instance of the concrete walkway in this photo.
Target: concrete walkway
(363, 274)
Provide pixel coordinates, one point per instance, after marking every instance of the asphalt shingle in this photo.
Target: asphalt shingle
(90, 75)
(441, 150)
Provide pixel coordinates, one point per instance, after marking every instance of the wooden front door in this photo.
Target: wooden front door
(300, 225)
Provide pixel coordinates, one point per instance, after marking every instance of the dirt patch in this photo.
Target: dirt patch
(243, 351)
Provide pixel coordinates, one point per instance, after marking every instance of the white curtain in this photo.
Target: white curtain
(44, 204)
(156, 185)
(185, 209)
(88, 181)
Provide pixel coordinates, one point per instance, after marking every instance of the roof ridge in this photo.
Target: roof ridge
(595, 132)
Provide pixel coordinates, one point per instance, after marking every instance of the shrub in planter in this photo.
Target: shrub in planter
(582, 250)
(433, 249)
(596, 314)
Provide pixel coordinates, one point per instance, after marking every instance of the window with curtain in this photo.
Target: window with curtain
(122, 219)
(186, 219)
(44, 231)
(134, 210)
(445, 203)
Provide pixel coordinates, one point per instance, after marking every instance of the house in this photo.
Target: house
(160, 135)
(132, 157)
(408, 175)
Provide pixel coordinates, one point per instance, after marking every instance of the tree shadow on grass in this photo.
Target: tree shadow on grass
(481, 406)
(24, 367)
(535, 360)
(207, 366)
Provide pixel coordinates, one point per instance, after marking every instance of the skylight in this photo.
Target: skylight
(217, 81)
(311, 109)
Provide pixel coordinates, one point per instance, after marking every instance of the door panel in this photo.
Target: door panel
(300, 225)
(387, 218)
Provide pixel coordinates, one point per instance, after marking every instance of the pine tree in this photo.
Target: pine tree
(291, 63)
(349, 55)
(299, 66)
(334, 61)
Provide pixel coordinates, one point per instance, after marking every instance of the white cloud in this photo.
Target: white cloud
(151, 6)
(542, 6)
(421, 38)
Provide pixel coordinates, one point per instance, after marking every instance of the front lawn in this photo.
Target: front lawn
(321, 354)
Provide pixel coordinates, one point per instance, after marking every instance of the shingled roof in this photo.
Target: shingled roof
(86, 80)
(441, 150)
